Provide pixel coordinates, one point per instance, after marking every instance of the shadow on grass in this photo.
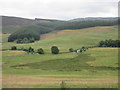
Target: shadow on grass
(70, 64)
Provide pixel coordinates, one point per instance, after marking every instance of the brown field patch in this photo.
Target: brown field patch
(32, 80)
(22, 67)
(57, 34)
(4, 35)
(56, 75)
(13, 53)
(106, 27)
(105, 48)
(64, 32)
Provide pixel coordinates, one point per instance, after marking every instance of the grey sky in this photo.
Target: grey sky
(59, 9)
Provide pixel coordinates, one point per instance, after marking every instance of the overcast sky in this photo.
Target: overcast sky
(59, 9)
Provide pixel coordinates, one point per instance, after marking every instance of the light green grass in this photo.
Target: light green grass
(10, 60)
(104, 57)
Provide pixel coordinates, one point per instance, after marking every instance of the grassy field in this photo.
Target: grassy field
(95, 68)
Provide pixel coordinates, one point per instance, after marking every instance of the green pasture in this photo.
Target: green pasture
(12, 66)
(95, 63)
(13, 61)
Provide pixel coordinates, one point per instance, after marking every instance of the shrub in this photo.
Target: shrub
(54, 50)
(13, 48)
(71, 50)
(81, 50)
(40, 51)
(24, 49)
(86, 48)
(30, 50)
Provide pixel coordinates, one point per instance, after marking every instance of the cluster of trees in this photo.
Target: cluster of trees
(78, 50)
(83, 49)
(86, 24)
(25, 40)
(109, 43)
(54, 50)
(29, 32)
(23, 35)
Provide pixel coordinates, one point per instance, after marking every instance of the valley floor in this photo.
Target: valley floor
(26, 77)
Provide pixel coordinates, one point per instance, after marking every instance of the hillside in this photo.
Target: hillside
(16, 21)
(66, 39)
(13, 24)
(94, 18)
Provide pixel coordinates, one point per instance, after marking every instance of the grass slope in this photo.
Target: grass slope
(71, 38)
(71, 64)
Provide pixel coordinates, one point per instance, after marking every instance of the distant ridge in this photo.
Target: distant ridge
(11, 24)
(17, 21)
(94, 18)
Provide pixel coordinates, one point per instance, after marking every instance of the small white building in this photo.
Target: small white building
(78, 50)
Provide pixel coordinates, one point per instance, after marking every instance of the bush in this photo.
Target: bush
(13, 48)
(54, 50)
(81, 50)
(71, 50)
(30, 50)
(40, 51)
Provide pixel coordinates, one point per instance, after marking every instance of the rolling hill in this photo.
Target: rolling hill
(22, 28)
(12, 24)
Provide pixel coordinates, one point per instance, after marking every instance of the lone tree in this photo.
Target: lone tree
(40, 51)
(54, 50)
(13, 48)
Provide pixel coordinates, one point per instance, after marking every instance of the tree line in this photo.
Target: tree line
(109, 43)
(86, 24)
(54, 50)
